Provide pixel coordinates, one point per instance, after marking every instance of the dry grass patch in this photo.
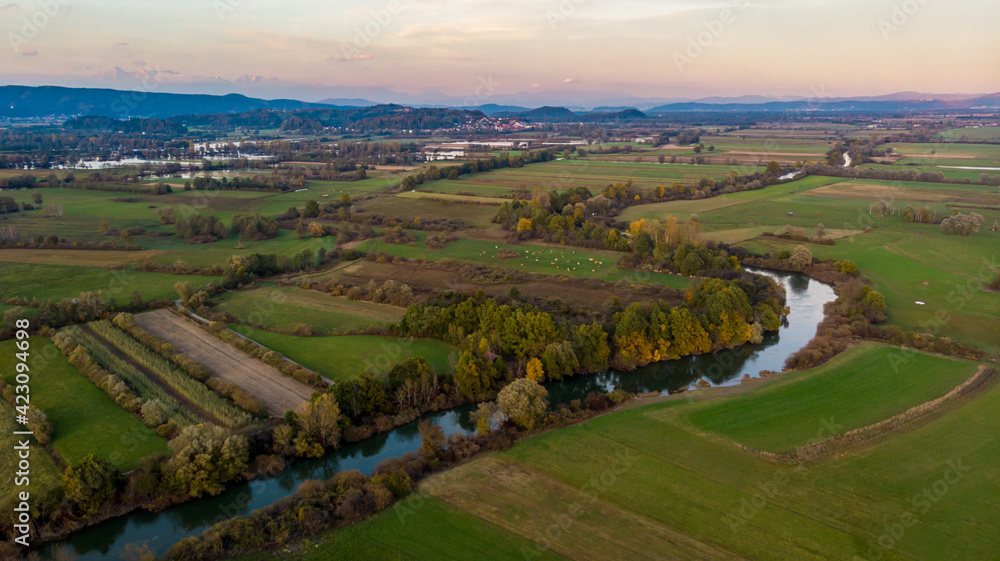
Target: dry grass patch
(277, 392)
(76, 257)
(527, 502)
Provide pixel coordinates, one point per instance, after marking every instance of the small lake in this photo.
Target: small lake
(805, 298)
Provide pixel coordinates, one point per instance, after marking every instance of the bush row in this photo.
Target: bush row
(227, 413)
(199, 372)
(267, 356)
(127, 387)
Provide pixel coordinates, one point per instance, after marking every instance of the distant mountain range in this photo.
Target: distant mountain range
(40, 102)
(988, 102)
(563, 115)
(25, 102)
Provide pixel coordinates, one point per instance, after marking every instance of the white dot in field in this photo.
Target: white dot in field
(919, 303)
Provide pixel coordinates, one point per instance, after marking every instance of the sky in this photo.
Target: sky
(495, 51)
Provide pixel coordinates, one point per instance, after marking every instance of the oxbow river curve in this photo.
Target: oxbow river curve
(160, 530)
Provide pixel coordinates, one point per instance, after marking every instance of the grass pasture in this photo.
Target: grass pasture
(45, 474)
(347, 356)
(683, 209)
(285, 308)
(54, 282)
(564, 174)
(77, 257)
(971, 133)
(857, 388)
(909, 262)
(948, 153)
(84, 419)
(548, 259)
(436, 530)
(426, 206)
(951, 172)
(205, 255)
(671, 493)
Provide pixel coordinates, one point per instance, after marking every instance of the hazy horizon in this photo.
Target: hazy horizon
(475, 52)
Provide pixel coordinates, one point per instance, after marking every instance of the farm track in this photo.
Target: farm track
(155, 378)
(278, 392)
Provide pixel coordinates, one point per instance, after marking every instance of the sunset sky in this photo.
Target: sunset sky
(486, 49)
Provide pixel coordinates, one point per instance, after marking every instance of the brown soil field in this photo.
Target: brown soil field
(396, 168)
(278, 392)
(77, 257)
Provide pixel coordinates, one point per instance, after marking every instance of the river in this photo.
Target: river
(160, 530)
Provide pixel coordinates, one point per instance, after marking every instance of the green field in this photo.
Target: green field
(922, 264)
(285, 308)
(547, 259)
(806, 149)
(347, 356)
(683, 209)
(948, 154)
(84, 210)
(643, 483)
(909, 262)
(951, 173)
(407, 208)
(205, 255)
(965, 133)
(434, 530)
(561, 175)
(45, 474)
(84, 419)
(54, 282)
(857, 388)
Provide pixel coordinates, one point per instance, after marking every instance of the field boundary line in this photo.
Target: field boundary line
(593, 503)
(788, 509)
(185, 312)
(196, 409)
(869, 435)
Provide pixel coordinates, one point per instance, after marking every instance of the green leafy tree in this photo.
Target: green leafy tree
(472, 375)
(205, 457)
(312, 209)
(90, 483)
(523, 401)
(184, 291)
(372, 393)
(414, 369)
(321, 418)
(432, 440)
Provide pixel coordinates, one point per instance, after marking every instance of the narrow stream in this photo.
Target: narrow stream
(161, 530)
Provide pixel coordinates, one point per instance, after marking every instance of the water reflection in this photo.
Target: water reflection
(805, 300)
(161, 530)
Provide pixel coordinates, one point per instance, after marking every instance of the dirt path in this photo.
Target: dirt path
(153, 377)
(278, 392)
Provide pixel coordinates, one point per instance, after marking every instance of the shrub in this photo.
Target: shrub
(801, 258)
